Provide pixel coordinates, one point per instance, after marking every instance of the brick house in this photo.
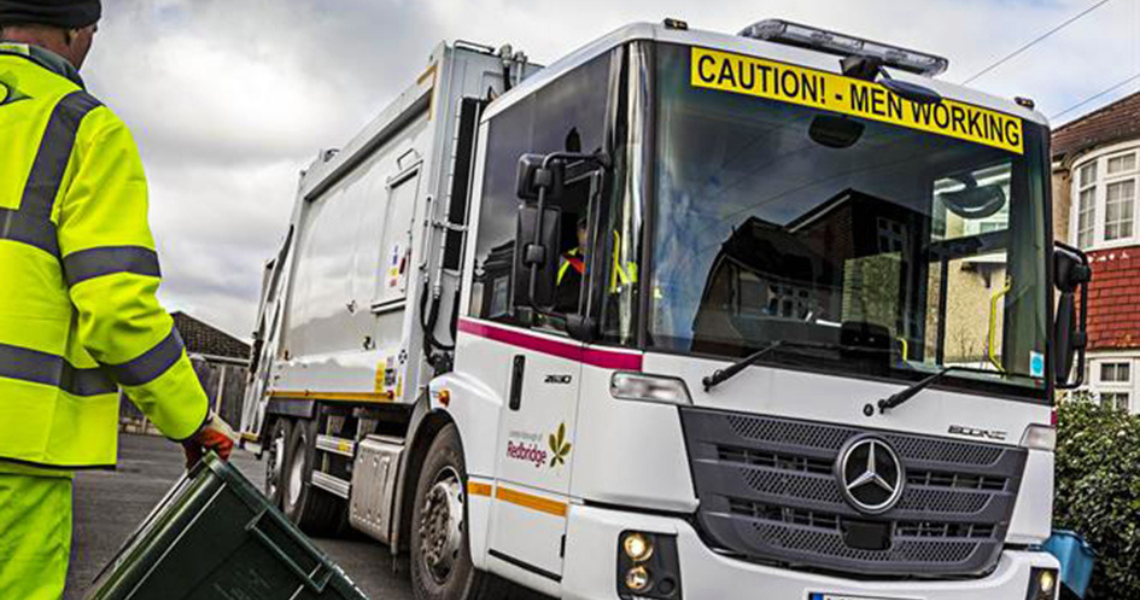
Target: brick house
(1096, 172)
(221, 362)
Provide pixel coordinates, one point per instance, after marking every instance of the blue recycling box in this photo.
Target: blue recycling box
(1077, 559)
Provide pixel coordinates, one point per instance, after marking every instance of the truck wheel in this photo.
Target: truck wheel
(276, 465)
(314, 510)
(441, 547)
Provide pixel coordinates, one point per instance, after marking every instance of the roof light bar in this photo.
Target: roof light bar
(812, 38)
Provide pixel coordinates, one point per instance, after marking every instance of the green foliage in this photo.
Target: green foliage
(1098, 491)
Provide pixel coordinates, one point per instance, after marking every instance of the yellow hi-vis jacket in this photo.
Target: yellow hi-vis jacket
(78, 277)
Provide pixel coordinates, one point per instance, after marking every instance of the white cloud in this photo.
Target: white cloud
(229, 99)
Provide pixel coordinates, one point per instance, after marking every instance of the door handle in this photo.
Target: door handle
(517, 381)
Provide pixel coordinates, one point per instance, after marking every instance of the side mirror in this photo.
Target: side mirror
(535, 271)
(1071, 273)
(533, 177)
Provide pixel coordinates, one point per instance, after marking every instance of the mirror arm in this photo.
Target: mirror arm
(532, 284)
(600, 158)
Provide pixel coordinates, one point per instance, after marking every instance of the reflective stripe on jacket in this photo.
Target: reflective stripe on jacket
(78, 277)
(571, 259)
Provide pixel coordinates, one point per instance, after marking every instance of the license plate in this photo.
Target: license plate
(822, 596)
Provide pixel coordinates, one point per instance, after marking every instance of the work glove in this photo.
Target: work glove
(215, 435)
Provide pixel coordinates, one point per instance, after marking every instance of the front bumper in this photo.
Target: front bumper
(590, 568)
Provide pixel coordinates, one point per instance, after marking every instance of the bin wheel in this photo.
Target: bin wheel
(441, 548)
(276, 465)
(314, 510)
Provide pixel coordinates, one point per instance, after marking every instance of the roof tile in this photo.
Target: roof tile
(205, 339)
(1116, 122)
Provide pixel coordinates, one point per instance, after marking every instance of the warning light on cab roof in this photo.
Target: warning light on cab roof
(812, 38)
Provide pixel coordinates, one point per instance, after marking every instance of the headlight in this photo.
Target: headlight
(637, 547)
(649, 388)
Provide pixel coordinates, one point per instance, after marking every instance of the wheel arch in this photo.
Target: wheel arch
(474, 409)
(422, 431)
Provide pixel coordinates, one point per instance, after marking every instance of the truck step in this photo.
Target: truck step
(335, 445)
(331, 484)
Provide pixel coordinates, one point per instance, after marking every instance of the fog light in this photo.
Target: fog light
(638, 547)
(1042, 584)
(649, 566)
(637, 579)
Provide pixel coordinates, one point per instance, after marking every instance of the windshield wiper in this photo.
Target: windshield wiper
(721, 375)
(896, 399)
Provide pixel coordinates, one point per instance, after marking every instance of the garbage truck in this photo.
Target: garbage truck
(683, 315)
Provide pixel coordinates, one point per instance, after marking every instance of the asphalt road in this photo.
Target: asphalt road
(109, 505)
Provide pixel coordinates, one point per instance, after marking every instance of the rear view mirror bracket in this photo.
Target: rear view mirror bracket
(535, 255)
(540, 178)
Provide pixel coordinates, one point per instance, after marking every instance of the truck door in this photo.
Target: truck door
(535, 368)
(535, 452)
(538, 426)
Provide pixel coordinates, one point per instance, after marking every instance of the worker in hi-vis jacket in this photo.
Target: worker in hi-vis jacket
(79, 319)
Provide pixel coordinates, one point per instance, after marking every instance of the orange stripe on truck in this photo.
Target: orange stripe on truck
(474, 488)
(381, 397)
(550, 507)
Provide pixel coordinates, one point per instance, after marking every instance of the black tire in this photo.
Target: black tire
(315, 511)
(462, 580)
(276, 459)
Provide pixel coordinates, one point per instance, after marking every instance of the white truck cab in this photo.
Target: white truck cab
(683, 315)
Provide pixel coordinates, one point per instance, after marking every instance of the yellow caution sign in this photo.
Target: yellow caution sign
(819, 89)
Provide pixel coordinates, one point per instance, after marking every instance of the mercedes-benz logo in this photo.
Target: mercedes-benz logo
(870, 475)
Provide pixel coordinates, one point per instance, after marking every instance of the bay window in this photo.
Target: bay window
(1104, 193)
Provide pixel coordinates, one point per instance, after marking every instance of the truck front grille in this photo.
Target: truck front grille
(768, 491)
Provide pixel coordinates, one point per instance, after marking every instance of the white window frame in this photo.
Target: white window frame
(1131, 387)
(1099, 160)
(1128, 205)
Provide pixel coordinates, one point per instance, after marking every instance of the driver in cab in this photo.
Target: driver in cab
(571, 272)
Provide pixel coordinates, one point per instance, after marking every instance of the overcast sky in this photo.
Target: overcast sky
(230, 99)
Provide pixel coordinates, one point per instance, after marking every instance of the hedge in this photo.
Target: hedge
(1098, 491)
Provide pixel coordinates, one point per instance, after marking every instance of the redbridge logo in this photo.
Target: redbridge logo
(527, 452)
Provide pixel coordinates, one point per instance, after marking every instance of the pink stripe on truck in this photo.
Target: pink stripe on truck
(606, 359)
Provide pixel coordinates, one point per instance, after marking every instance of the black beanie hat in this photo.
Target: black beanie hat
(65, 14)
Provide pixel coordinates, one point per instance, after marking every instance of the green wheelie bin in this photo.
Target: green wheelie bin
(216, 537)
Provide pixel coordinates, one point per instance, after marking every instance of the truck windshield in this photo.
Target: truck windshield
(892, 251)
